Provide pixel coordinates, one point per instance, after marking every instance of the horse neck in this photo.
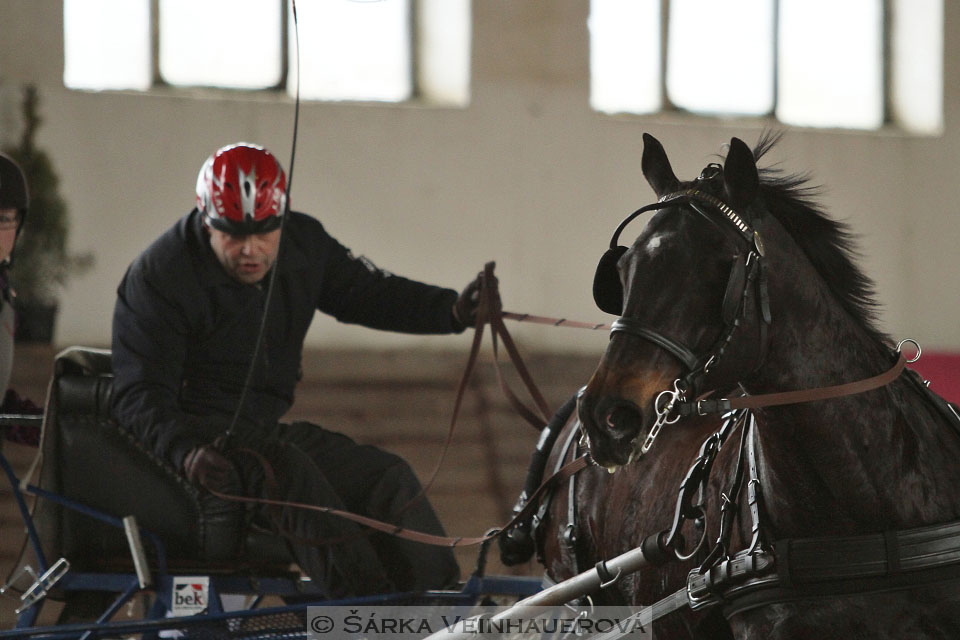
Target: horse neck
(817, 345)
(873, 460)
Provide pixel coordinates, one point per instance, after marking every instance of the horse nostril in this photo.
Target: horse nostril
(622, 418)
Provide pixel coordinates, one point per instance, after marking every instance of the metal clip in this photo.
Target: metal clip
(663, 414)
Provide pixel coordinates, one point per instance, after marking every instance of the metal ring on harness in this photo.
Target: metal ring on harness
(683, 557)
(914, 343)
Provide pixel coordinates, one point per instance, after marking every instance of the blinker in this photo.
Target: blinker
(607, 290)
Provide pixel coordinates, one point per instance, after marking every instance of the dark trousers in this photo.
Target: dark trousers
(312, 465)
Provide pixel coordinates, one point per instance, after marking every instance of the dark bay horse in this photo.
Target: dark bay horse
(739, 281)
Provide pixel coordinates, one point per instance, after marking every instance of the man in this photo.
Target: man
(185, 324)
(14, 202)
(13, 208)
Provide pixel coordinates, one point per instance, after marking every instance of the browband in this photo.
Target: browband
(690, 196)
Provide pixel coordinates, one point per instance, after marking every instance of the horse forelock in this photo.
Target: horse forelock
(829, 244)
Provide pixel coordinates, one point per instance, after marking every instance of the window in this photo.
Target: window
(98, 54)
(854, 64)
(220, 43)
(379, 50)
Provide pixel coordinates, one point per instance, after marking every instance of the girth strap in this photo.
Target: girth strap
(807, 560)
(874, 563)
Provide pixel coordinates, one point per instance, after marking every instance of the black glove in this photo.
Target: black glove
(209, 468)
(465, 309)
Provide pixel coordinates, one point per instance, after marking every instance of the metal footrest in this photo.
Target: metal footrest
(41, 585)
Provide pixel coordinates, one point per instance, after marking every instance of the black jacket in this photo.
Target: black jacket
(184, 331)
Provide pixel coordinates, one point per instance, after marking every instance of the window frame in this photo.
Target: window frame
(887, 96)
(417, 95)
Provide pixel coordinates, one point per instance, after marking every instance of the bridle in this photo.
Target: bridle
(748, 276)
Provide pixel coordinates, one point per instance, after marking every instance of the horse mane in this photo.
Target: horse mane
(829, 244)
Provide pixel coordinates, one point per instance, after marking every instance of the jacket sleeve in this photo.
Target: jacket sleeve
(149, 347)
(357, 291)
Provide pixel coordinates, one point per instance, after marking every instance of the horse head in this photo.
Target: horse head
(689, 299)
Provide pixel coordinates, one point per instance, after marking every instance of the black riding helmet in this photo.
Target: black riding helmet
(13, 190)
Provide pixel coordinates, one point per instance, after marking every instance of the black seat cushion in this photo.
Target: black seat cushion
(89, 458)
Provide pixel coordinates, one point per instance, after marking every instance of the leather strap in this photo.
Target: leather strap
(835, 566)
(634, 328)
(555, 322)
(722, 405)
(491, 311)
(418, 536)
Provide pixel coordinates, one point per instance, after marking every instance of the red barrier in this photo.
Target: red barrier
(943, 371)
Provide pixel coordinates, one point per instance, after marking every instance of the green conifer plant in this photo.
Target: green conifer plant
(42, 263)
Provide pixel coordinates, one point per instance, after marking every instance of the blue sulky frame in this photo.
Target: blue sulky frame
(127, 585)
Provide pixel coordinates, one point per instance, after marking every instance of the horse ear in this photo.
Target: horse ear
(656, 167)
(740, 178)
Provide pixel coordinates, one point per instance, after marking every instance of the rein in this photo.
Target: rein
(489, 312)
(722, 405)
(562, 474)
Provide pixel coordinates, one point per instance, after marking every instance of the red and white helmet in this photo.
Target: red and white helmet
(241, 190)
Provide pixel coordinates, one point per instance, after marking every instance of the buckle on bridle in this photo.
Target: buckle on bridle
(700, 411)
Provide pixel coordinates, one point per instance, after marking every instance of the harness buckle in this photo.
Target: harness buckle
(709, 363)
(707, 588)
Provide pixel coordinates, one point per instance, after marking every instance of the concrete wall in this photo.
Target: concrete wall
(527, 175)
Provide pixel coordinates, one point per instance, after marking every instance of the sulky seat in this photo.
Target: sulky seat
(89, 458)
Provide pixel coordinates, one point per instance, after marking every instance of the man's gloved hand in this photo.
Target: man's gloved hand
(206, 466)
(465, 309)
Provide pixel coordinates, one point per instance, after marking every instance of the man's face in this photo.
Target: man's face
(8, 231)
(246, 259)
